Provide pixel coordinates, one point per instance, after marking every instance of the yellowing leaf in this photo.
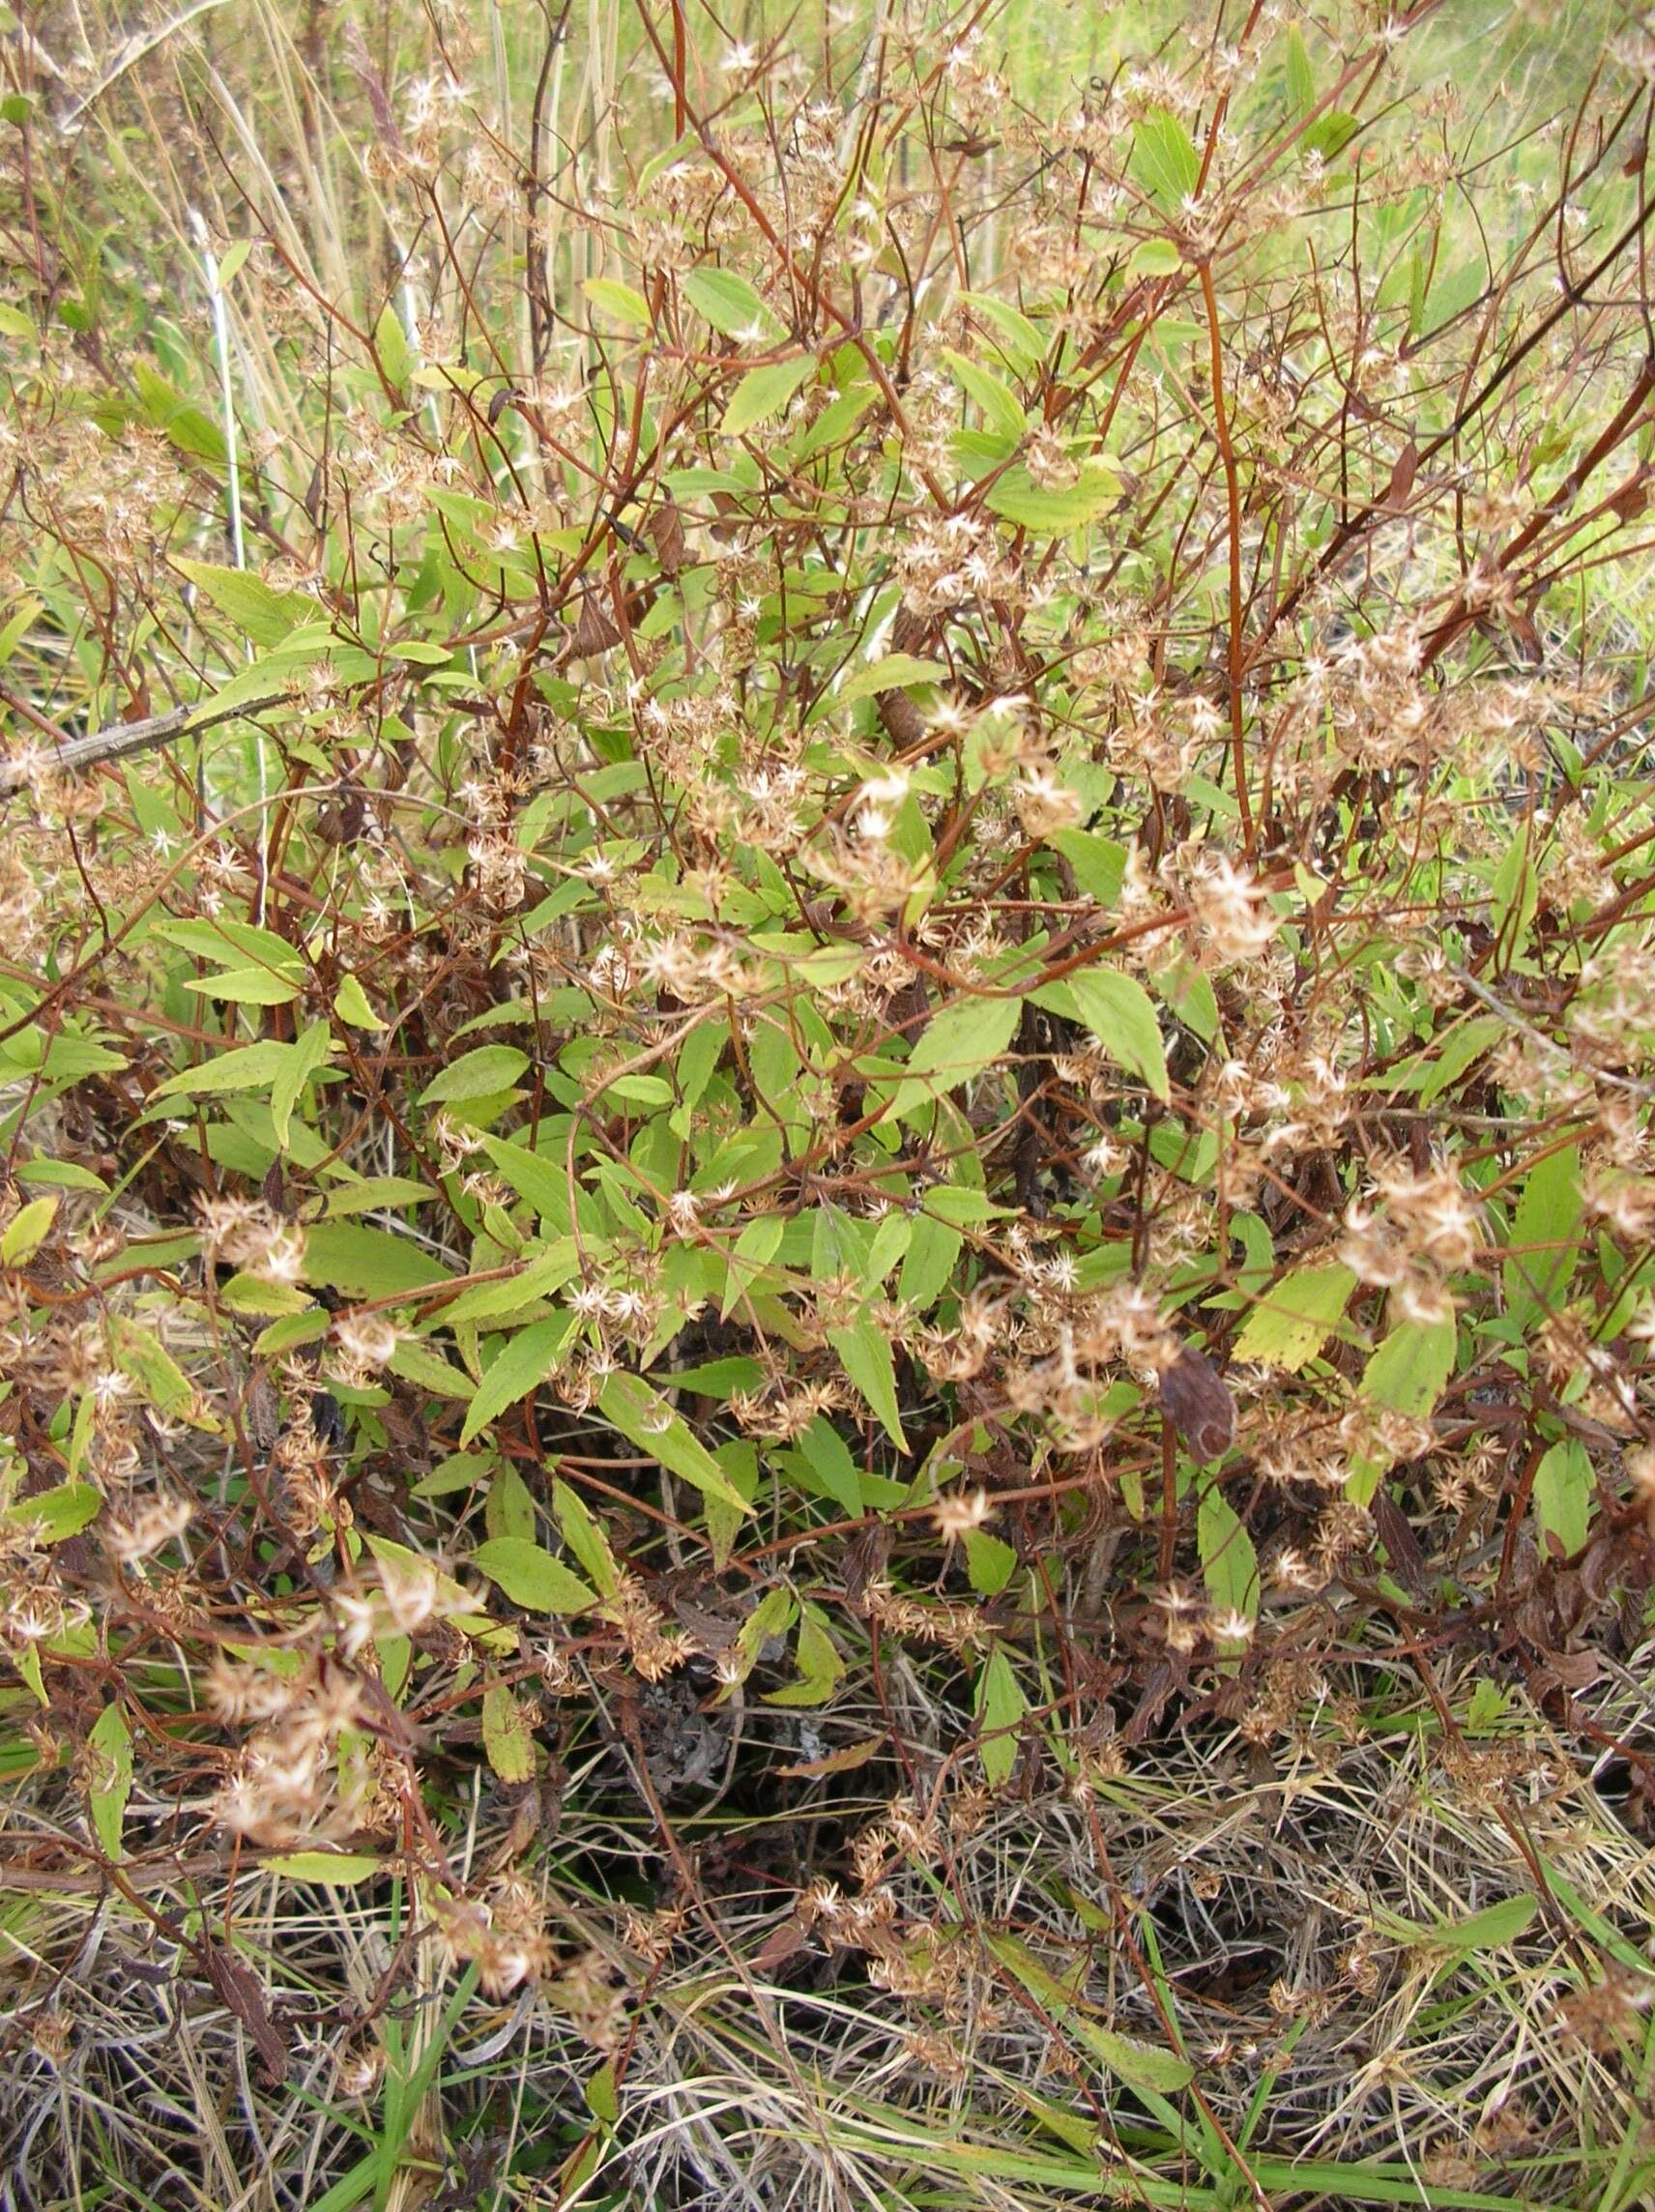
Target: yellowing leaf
(329, 1868)
(350, 1004)
(1292, 1321)
(1140, 2065)
(26, 1231)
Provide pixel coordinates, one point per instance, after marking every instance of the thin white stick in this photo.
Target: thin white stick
(233, 486)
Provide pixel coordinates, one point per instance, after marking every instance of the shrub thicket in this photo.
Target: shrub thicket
(826, 1035)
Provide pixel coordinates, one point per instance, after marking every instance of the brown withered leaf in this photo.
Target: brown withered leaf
(593, 632)
(1196, 1399)
(665, 526)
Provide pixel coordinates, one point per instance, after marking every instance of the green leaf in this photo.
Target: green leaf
(763, 393)
(313, 1050)
(820, 1665)
(1140, 2065)
(956, 1044)
(391, 345)
(1545, 1234)
(729, 302)
(1001, 409)
(1294, 1320)
(26, 1231)
(140, 1354)
(246, 987)
(531, 1577)
(1405, 1375)
(618, 301)
(52, 1515)
(865, 1355)
(352, 1005)
(109, 1777)
(418, 1364)
(1155, 258)
(1407, 1372)
(1019, 339)
(894, 673)
(331, 1869)
(1563, 1493)
(257, 612)
(1229, 1565)
(1300, 77)
(999, 1706)
(1053, 511)
(508, 1739)
(520, 1367)
(581, 1532)
(245, 1067)
(549, 1266)
(1122, 1015)
(989, 1562)
(478, 1074)
(1164, 160)
(646, 1419)
(1331, 133)
(367, 1262)
(1489, 1930)
(602, 2101)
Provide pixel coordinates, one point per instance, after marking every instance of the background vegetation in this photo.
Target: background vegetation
(826, 1020)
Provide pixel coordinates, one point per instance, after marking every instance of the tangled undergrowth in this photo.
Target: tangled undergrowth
(826, 1020)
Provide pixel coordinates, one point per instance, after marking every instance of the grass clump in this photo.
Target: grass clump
(825, 1037)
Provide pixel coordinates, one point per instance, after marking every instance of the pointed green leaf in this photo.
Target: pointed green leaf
(865, 1355)
(352, 1005)
(763, 393)
(531, 1577)
(312, 1051)
(109, 1777)
(999, 1706)
(630, 1405)
(729, 302)
(258, 613)
(1053, 511)
(1164, 160)
(1122, 1015)
(618, 301)
(956, 1044)
(521, 1366)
